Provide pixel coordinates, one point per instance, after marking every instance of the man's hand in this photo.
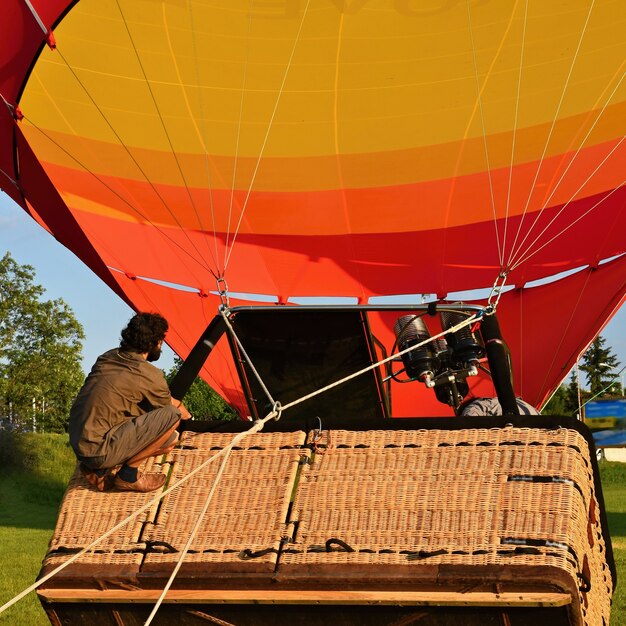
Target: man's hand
(184, 413)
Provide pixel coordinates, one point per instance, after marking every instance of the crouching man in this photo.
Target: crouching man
(124, 412)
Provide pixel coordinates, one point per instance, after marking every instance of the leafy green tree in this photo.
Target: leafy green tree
(573, 403)
(598, 365)
(40, 351)
(556, 404)
(565, 399)
(202, 401)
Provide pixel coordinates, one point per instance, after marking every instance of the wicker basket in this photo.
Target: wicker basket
(472, 519)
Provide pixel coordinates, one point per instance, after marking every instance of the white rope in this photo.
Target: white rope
(517, 101)
(9, 178)
(467, 322)
(183, 254)
(191, 537)
(571, 224)
(515, 251)
(165, 130)
(582, 143)
(200, 133)
(255, 428)
(239, 123)
(267, 134)
(199, 257)
(12, 107)
(482, 121)
(519, 253)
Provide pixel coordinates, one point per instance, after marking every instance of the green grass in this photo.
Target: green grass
(36, 468)
(35, 471)
(614, 490)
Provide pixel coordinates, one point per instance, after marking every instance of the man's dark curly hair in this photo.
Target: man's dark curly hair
(143, 332)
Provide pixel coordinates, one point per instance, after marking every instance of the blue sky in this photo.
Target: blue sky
(102, 313)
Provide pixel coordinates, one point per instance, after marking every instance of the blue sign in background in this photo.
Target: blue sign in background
(611, 408)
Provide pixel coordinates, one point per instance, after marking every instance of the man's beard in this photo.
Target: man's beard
(154, 354)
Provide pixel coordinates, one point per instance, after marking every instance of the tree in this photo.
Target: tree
(40, 351)
(556, 404)
(202, 401)
(598, 363)
(565, 399)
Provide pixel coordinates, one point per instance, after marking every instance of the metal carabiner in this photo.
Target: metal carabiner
(222, 292)
(496, 292)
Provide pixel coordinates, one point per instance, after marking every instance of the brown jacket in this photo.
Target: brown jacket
(120, 386)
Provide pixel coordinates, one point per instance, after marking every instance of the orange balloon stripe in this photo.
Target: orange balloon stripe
(324, 172)
(435, 261)
(399, 208)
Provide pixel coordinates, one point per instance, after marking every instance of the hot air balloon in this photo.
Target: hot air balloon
(196, 154)
(342, 149)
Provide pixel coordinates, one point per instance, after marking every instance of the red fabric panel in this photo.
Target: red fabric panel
(52, 211)
(324, 263)
(548, 327)
(7, 158)
(22, 38)
(442, 261)
(358, 265)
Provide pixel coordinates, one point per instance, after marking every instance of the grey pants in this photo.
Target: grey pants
(128, 438)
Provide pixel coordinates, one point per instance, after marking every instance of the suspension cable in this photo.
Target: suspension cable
(46, 31)
(154, 188)
(484, 131)
(517, 102)
(514, 251)
(514, 262)
(162, 121)
(172, 242)
(201, 133)
(269, 127)
(616, 377)
(239, 125)
(574, 222)
(224, 314)
(582, 143)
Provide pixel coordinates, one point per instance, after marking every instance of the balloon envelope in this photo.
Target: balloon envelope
(323, 149)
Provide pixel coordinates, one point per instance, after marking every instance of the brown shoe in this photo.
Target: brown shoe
(144, 483)
(102, 482)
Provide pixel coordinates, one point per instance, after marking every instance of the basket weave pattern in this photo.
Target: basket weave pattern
(86, 514)
(494, 497)
(249, 508)
(352, 500)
